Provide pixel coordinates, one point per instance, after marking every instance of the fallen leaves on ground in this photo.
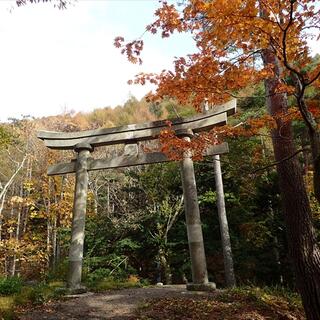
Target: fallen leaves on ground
(225, 306)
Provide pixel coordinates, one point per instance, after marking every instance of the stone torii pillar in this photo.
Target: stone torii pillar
(79, 215)
(230, 278)
(193, 221)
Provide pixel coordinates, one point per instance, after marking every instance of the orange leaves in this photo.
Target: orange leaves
(143, 78)
(118, 41)
(265, 73)
(284, 88)
(131, 49)
(175, 147)
(230, 35)
(168, 20)
(313, 75)
(314, 107)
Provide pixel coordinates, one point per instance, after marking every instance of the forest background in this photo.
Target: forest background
(135, 223)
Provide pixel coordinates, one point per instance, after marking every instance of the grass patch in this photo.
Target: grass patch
(29, 296)
(109, 283)
(6, 307)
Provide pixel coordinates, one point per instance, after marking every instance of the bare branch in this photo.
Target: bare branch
(7, 185)
(280, 161)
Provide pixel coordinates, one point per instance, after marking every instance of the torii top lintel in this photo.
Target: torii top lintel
(137, 132)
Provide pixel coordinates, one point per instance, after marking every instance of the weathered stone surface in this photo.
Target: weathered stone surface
(192, 213)
(127, 161)
(78, 218)
(210, 286)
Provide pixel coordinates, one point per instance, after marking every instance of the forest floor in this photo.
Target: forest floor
(169, 302)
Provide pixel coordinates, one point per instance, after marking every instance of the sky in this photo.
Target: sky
(54, 61)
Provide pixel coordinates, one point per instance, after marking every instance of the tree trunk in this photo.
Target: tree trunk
(313, 130)
(276, 254)
(165, 266)
(49, 253)
(108, 200)
(18, 232)
(302, 243)
(1, 209)
(315, 150)
(304, 144)
(54, 243)
(56, 227)
(26, 210)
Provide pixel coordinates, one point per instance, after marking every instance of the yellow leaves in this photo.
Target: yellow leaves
(133, 279)
(256, 233)
(35, 214)
(10, 230)
(16, 200)
(28, 185)
(11, 244)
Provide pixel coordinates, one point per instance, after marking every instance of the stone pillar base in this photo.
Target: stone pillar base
(210, 286)
(75, 291)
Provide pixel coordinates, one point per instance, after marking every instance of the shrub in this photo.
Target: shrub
(37, 295)
(133, 279)
(98, 274)
(110, 284)
(144, 282)
(59, 272)
(10, 285)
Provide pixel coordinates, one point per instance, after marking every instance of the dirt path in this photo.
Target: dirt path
(115, 304)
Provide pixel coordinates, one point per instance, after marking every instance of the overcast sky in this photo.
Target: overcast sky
(53, 61)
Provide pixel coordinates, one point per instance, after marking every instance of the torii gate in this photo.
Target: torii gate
(84, 142)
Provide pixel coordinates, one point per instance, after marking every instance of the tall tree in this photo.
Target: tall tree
(302, 241)
(241, 43)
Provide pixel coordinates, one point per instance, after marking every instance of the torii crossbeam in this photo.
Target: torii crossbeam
(84, 143)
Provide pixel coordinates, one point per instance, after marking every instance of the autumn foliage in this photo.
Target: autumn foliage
(230, 36)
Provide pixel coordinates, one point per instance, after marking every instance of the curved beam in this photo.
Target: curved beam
(137, 132)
